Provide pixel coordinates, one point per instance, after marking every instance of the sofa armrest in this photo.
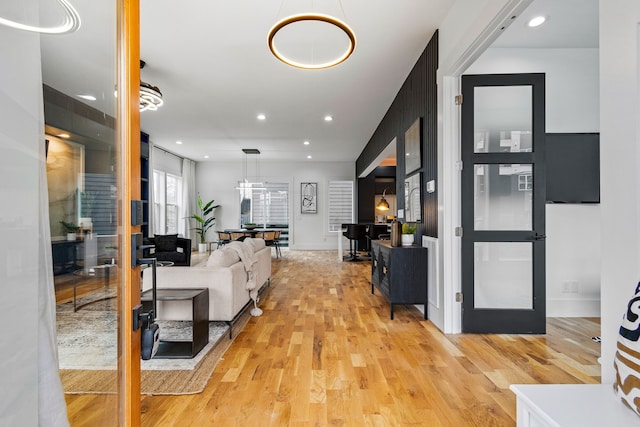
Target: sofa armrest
(227, 289)
(185, 245)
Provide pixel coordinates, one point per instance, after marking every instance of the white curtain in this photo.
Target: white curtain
(188, 198)
(52, 408)
(151, 189)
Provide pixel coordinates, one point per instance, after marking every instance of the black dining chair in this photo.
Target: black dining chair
(354, 232)
(223, 238)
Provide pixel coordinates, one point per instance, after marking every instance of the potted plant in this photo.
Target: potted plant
(408, 234)
(204, 221)
(71, 229)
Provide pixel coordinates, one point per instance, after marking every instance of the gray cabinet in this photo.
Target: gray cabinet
(399, 273)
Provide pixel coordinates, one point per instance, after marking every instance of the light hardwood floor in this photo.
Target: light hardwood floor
(325, 353)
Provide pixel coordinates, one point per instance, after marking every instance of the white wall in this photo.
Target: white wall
(573, 231)
(217, 181)
(619, 159)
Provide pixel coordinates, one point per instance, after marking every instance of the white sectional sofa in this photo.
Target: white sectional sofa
(223, 273)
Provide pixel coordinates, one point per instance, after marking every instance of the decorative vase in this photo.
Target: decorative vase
(71, 236)
(203, 247)
(407, 239)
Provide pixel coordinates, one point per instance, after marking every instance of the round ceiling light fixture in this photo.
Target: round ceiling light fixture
(150, 96)
(312, 17)
(70, 25)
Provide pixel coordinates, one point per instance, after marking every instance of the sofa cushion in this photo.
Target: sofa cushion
(166, 243)
(224, 257)
(255, 244)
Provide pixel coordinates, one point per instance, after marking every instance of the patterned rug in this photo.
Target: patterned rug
(87, 351)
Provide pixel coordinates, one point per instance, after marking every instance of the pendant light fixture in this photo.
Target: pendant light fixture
(150, 96)
(383, 205)
(70, 25)
(252, 182)
(313, 18)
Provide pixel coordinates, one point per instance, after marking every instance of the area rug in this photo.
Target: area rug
(87, 353)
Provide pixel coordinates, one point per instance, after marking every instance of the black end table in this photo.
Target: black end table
(200, 314)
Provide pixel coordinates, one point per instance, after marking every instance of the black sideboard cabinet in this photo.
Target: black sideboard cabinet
(399, 273)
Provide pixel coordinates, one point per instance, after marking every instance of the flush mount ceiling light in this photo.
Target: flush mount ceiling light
(70, 25)
(315, 18)
(150, 96)
(536, 21)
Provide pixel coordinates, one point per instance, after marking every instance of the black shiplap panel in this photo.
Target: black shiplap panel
(417, 98)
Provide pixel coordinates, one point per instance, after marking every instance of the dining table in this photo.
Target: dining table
(250, 232)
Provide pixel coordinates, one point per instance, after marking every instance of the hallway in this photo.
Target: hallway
(325, 353)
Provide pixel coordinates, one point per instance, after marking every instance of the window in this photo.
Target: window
(264, 204)
(167, 196)
(340, 197)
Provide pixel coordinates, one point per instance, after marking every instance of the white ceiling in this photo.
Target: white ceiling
(216, 72)
(569, 24)
(212, 63)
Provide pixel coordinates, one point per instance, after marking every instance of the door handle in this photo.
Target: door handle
(537, 236)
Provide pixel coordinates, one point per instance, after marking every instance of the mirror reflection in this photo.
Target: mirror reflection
(412, 205)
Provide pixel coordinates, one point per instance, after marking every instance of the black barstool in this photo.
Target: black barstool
(354, 232)
(374, 232)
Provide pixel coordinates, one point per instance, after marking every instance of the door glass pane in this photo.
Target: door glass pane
(502, 119)
(503, 275)
(79, 78)
(503, 197)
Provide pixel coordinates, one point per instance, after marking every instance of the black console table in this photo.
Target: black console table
(65, 256)
(399, 273)
(200, 314)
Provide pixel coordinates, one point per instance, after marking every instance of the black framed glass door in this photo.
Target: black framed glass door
(503, 203)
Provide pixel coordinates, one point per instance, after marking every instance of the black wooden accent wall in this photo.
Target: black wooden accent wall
(417, 98)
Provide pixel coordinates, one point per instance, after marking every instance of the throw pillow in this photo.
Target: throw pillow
(627, 358)
(255, 244)
(166, 243)
(224, 257)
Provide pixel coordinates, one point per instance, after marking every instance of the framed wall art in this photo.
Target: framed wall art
(412, 139)
(309, 197)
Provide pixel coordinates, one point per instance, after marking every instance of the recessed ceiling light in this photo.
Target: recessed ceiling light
(179, 142)
(262, 117)
(306, 143)
(87, 97)
(64, 135)
(328, 118)
(206, 157)
(308, 157)
(536, 21)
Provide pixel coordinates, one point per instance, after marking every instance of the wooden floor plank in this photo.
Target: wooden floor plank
(326, 353)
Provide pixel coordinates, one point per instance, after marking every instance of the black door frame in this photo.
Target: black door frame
(504, 320)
